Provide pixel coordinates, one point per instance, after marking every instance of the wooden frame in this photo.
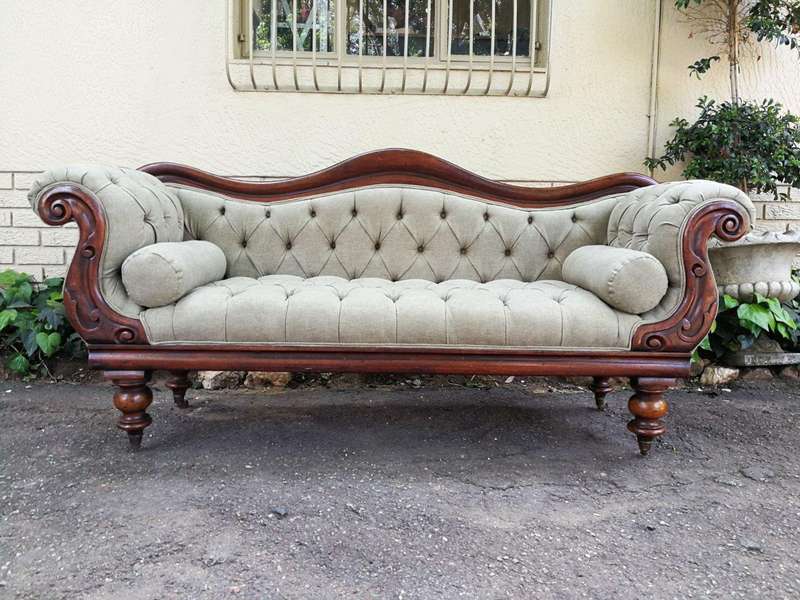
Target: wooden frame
(117, 344)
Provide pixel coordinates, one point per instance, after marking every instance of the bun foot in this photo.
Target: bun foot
(135, 440)
(601, 387)
(645, 443)
(648, 408)
(179, 383)
(132, 399)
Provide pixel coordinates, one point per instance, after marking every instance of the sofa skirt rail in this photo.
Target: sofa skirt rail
(445, 361)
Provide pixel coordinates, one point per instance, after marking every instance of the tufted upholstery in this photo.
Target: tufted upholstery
(651, 219)
(139, 209)
(388, 264)
(162, 273)
(628, 280)
(393, 233)
(331, 310)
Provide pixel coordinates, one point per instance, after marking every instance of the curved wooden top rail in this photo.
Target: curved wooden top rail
(398, 166)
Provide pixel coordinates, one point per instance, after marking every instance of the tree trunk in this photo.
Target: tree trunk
(733, 48)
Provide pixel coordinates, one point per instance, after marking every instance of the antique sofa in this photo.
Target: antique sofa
(393, 261)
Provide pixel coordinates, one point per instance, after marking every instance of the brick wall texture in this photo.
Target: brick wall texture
(30, 246)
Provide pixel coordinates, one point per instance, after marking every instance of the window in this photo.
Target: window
(465, 47)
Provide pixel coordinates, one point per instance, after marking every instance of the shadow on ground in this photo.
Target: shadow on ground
(436, 492)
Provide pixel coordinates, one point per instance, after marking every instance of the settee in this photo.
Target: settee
(393, 261)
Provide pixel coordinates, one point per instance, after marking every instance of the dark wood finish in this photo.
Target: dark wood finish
(689, 324)
(118, 344)
(464, 361)
(398, 166)
(648, 407)
(601, 386)
(85, 306)
(132, 399)
(179, 383)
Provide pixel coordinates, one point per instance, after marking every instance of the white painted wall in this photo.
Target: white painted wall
(127, 82)
(133, 82)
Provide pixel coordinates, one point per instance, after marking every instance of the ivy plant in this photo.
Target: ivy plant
(33, 326)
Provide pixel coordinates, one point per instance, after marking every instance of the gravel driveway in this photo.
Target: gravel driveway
(439, 490)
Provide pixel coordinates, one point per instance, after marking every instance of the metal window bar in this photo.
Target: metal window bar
(360, 44)
(471, 43)
(491, 49)
(534, 29)
(385, 34)
(251, 45)
(427, 47)
(449, 48)
(330, 70)
(531, 51)
(273, 40)
(405, 48)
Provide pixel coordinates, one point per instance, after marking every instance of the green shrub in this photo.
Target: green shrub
(33, 326)
(740, 324)
(752, 145)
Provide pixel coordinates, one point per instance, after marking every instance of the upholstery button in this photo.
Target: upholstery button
(530, 219)
(508, 252)
(354, 212)
(313, 214)
(463, 251)
(443, 214)
(551, 254)
(244, 243)
(269, 214)
(222, 210)
(574, 219)
(486, 216)
(288, 245)
(377, 245)
(399, 216)
(333, 245)
(420, 248)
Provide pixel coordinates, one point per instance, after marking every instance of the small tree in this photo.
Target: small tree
(753, 145)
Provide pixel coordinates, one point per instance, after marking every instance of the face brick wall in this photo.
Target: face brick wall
(27, 244)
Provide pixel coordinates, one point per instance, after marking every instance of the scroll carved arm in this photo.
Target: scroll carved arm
(686, 327)
(86, 308)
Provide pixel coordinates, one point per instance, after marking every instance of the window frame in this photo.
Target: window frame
(440, 54)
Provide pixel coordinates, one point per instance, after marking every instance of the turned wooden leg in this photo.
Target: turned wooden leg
(648, 407)
(132, 399)
(179, 383)
(601, 386)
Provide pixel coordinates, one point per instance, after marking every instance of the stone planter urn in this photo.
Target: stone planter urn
(758, 263)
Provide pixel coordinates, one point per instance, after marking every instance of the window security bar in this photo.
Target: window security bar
(434, 47)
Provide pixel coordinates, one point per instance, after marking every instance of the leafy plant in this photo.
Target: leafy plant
(740, 324)
(33, 327)
(728, 24)
(751, 145)
(776, 21)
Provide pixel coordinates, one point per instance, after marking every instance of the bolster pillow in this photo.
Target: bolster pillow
(628, 280)
(160, 274)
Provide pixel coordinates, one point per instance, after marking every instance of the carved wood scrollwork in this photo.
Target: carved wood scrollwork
(691, 321)
(87, 310)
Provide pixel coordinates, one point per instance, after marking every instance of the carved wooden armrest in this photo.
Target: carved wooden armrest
(690, 320)
(117, 212)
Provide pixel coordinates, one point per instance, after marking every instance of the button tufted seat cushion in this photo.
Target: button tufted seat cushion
(332, 310)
